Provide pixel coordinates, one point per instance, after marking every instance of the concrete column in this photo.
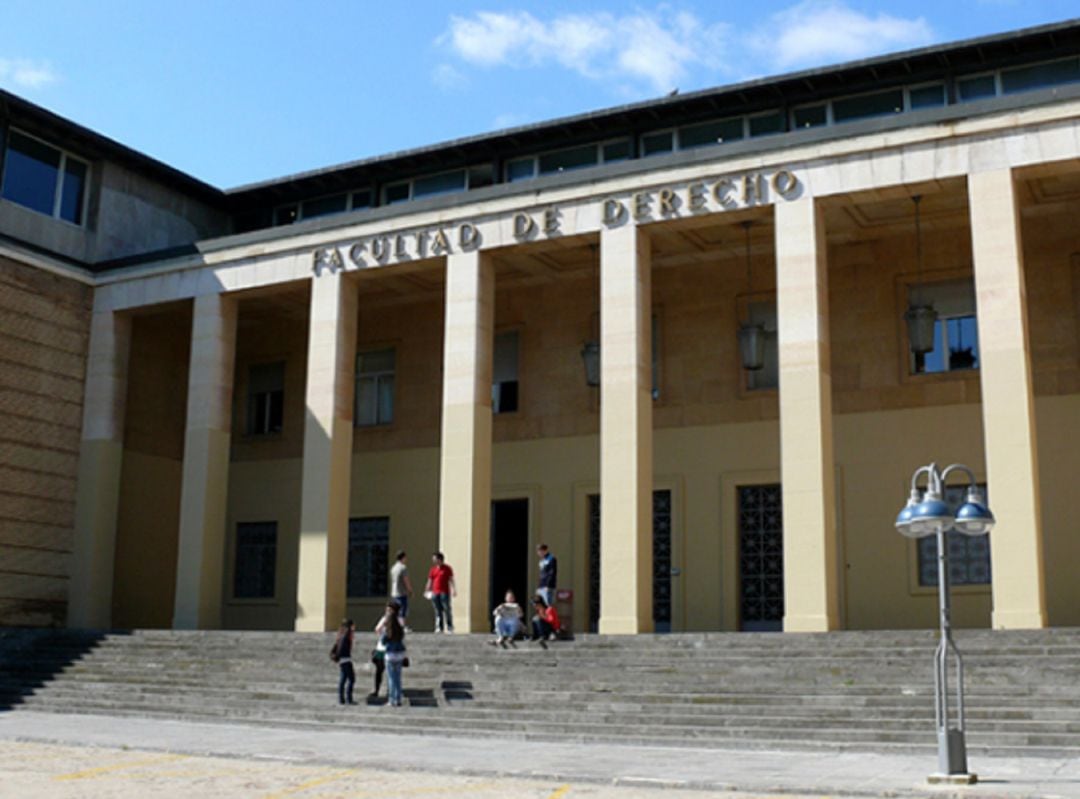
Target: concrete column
(97, 496)
(807, 472)
(1012, 462)
(204, 490)
(626, 436)
(328, 435)
(465, 479)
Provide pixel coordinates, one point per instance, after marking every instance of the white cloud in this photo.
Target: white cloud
(655, 48)
(21, 73)
(826, 31)
(510, 119)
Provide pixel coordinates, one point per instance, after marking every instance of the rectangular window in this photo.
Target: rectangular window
(43, 178)
(1022, 79)
(324, 206)
(968, 556)
(504, 389)
(369, 557)
(657, 143)
(931, 96)
(564, 160)
(266, 398)
(361, 199)
(256, 560)
(520, 169)
(763, 312)
(767, 124)
(616, 151)
(482, 175)
(710, 133)
(397, 192)
(446, 183)
(375, 388)
(810, 116)
(977, 88)
(286, 214)
(868, 105)
(956, 337)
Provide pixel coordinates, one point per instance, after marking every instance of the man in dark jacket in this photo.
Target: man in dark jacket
(549, 574)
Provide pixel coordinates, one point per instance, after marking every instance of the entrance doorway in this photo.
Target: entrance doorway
(662, 559)
(761, 558)
(509, 550)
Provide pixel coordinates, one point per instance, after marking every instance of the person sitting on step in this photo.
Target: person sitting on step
(508, 618)
(545, 624)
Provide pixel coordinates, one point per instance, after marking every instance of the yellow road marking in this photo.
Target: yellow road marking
(560, 793)
(93, 772)
(337, 775)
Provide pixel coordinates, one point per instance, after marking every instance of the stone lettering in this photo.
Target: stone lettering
(753, 189)
(468, 236)
(380, 249)
(421, 243)
(440, 242)
(785, 184)
(722, 191)
(552, 218)
(327, 258)
(642, 205)
(399, 247)
(524, 226)
(697, 194)
(667, 202)
(356, 254)
(614, 212)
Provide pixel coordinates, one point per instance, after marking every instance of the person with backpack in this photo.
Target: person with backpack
(341, 653)
(392, 635)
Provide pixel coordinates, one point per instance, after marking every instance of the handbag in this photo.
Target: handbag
(377, 656)
(405, 662)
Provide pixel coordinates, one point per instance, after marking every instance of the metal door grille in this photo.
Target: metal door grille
(761, 557)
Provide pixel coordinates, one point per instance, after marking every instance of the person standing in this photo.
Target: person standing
(440, 584)
(392, 635)
(549, 574)
(342, 653)
(401, 588)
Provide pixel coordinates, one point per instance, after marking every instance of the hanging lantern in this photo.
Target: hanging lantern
(920, 317)
(590, 356)
(752, 346)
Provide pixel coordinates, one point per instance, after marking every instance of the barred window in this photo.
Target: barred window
(969, 556)
(256, 560)
(369, 556)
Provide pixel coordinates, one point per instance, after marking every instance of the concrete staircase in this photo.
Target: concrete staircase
(848, 690)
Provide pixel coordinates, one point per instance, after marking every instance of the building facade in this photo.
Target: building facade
(229, 409)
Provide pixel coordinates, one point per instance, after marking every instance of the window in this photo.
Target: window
(324, 206)
(614, 151)
(767, 124)
(969, 556)
(968, 89)
(256, 560)
(930, 96)
(868, 105)
(763, 312)
(810, 116)
(658, 143)
(375, 388)
(397, 192)
(956, 338)
(504, 389)
(520, 169)
(446, 183)
(369, 556)
(1054, 73)
(266, 398)
(564, 160)
(710, 133)
(361, 199)
(42, 178)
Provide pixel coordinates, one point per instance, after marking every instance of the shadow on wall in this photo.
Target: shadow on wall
(31, 658)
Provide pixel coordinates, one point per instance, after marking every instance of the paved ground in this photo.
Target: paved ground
(51, 755)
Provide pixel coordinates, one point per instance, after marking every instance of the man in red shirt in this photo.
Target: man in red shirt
(545, 624)
(440, 586)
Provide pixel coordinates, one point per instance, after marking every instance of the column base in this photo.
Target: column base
(814, 623)
(624, 625)
(1019, 620)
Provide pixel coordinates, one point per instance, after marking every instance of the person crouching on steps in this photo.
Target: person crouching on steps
(545, 624)
(392, 634)
(343, 650)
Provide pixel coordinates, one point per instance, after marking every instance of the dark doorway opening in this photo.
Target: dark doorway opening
(509, 550)
(761, 558)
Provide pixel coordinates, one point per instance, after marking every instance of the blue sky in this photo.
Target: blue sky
(237, 91)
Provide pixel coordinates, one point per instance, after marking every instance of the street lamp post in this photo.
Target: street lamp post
(926, 513)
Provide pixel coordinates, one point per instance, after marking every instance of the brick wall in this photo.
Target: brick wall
(44, 326)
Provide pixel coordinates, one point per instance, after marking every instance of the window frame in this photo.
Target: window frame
(380, 570)
(742, 309)
(517, 333)
(271, 599)
(350, 205)
(903, 285)
(358, 375)
(249, 401)
(58, 188)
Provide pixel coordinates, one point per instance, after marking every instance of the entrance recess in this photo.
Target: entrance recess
(662, 569)
(509, 550)
(761, 558)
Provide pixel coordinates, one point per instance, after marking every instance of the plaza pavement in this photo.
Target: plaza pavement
(752, 772)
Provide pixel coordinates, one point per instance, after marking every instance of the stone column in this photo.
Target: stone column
(465, 479)
(1012, 463)
(807, 471)
(97, 496)
(328, 435)
(626, 443)
(204, 490)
